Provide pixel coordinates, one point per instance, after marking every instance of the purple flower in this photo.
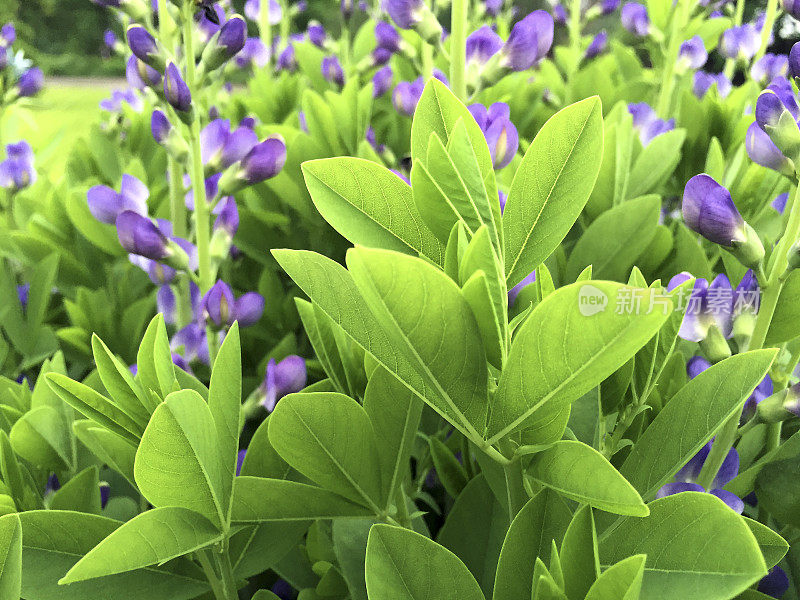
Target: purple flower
(211, 185)
(263, 162)
(560, 14)
(686, 478)
(228, 217)
(120, 97)
(647, 123)
(30, 82)
(500, 133)
(493, 7)
(240, 461)
(105, 204)
(140, 75)
(609, 6)
(794, 60)
(110, 39)
(382, 81)
(287, 60)
(387, 37)
(176, 90)
(254, 52)
(283, 378)
(740, 43)
(316, 34)
(482, 45)
(223, 309)
(597, 45)
(792, 7)
(679, 280)
(221, 147)
(529, 41)
(252, 10)
(776, 582)
(768, 67)
(332, 70)
(635, 19)
(8, 35)
(774, 101)
(515, 291)
(763, 151)
(693, 53)
(709, 210)
(17, 171)
(762, 391)
(703, 82)
(708, 305)
(144, 47)
(139, 235)
(406, 95)
(160, 126)
(405, 13)
(696, 365)
(227, 43)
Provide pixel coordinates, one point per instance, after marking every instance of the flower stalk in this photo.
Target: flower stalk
(458, 49)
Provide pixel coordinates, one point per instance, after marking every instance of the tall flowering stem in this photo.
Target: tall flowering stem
(201, 210)
(458, 49)
(679, 20)
(766, 31)
(575, 28)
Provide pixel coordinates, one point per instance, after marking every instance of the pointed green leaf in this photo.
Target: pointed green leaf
(10, 557)
(622, 581)
(578, 555)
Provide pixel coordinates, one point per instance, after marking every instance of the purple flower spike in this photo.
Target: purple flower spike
(382, 81)
(139, 235)
(500, 133)
(693, 53)
(176, 90)
(332, 70)
(709, 210)
(30, 82)
(283, 378)
(249, 308)
(529, 41)
(597, 46)
(405, 13)
(635, 19)
(143, 46)
(482, 45)
(106, 205)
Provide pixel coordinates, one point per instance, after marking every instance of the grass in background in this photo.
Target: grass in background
(52, 122)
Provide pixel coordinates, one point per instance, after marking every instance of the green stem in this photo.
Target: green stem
(458, 49)
(211, 575)
(265, 28)
(575, 28)
(228, 582)
(679, 20)
(201, 211)
(177, 213)
(427, 61)
(403, 518)
(769, 23)
(515, 488)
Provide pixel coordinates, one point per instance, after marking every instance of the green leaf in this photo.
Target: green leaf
(10, 557)
(153, 537)
(578, 555)
(476, 541)
(370, 206)
(395, 413)
(328, 437)
(689, 540)
(178, 461)
(225, 404)
(256, 548)
(656, 162)
(121, 385)
(53, 541)
(559, 353)
(453, 379)
(583, 474)
(622, 581)
(261, 459)
(81, 493)
(551, 186)
(452, 475)
(95, 406)
(773, 547)
(403, 565)
(257, 499)
(785, 324)
(691, 418)
(778, 489)
(616, 239)
(115, 451)
(544, 518)
(155, 369)
(41, 436)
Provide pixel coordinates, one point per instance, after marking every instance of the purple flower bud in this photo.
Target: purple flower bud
(493, 7)
(597, 46)
(708, 305)
(240, 461)
(233, 36)
(740, 43)
(140, 75)
(482, 44)
(228, 217)
(762, 150)
(110, 39)
(763, 390)
(139, 235)
(160, 126)
(679, 280)
(647, 123)
(792, 7)
(144, 46)
(703, 82)
(696, 365)
(30, 82)
(515, 291)
(406, 95)
(166, 304)
(768, 67)
(8, 34)
(382, 81)
(380, 56)
(776, 582)
(405, 13)
(316, 34)
(332, 71)
(635, 19)
(500, 133)
(693, 53)
(264, 161)
(287, 60)
(249, 308)
(794, 60)
(560, 14)
(709, 210)
(106, 205)
(609, 6)
(17, 171)
(176, 90)
(387, 37)
(283, 378)
(22, 294)
(221, 148)
(220, 305)
(529, 41)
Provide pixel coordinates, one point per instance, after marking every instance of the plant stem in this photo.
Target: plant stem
(211, 575)
(265, 29)
(769, 23)
(458, 49)
(228, 582)
(427, 61)
(679, 19)
(515, 488)
(575, 28)
(201, 211)
(177, 214)
(730, 63)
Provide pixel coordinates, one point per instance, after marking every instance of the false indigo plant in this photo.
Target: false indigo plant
(501, 306)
